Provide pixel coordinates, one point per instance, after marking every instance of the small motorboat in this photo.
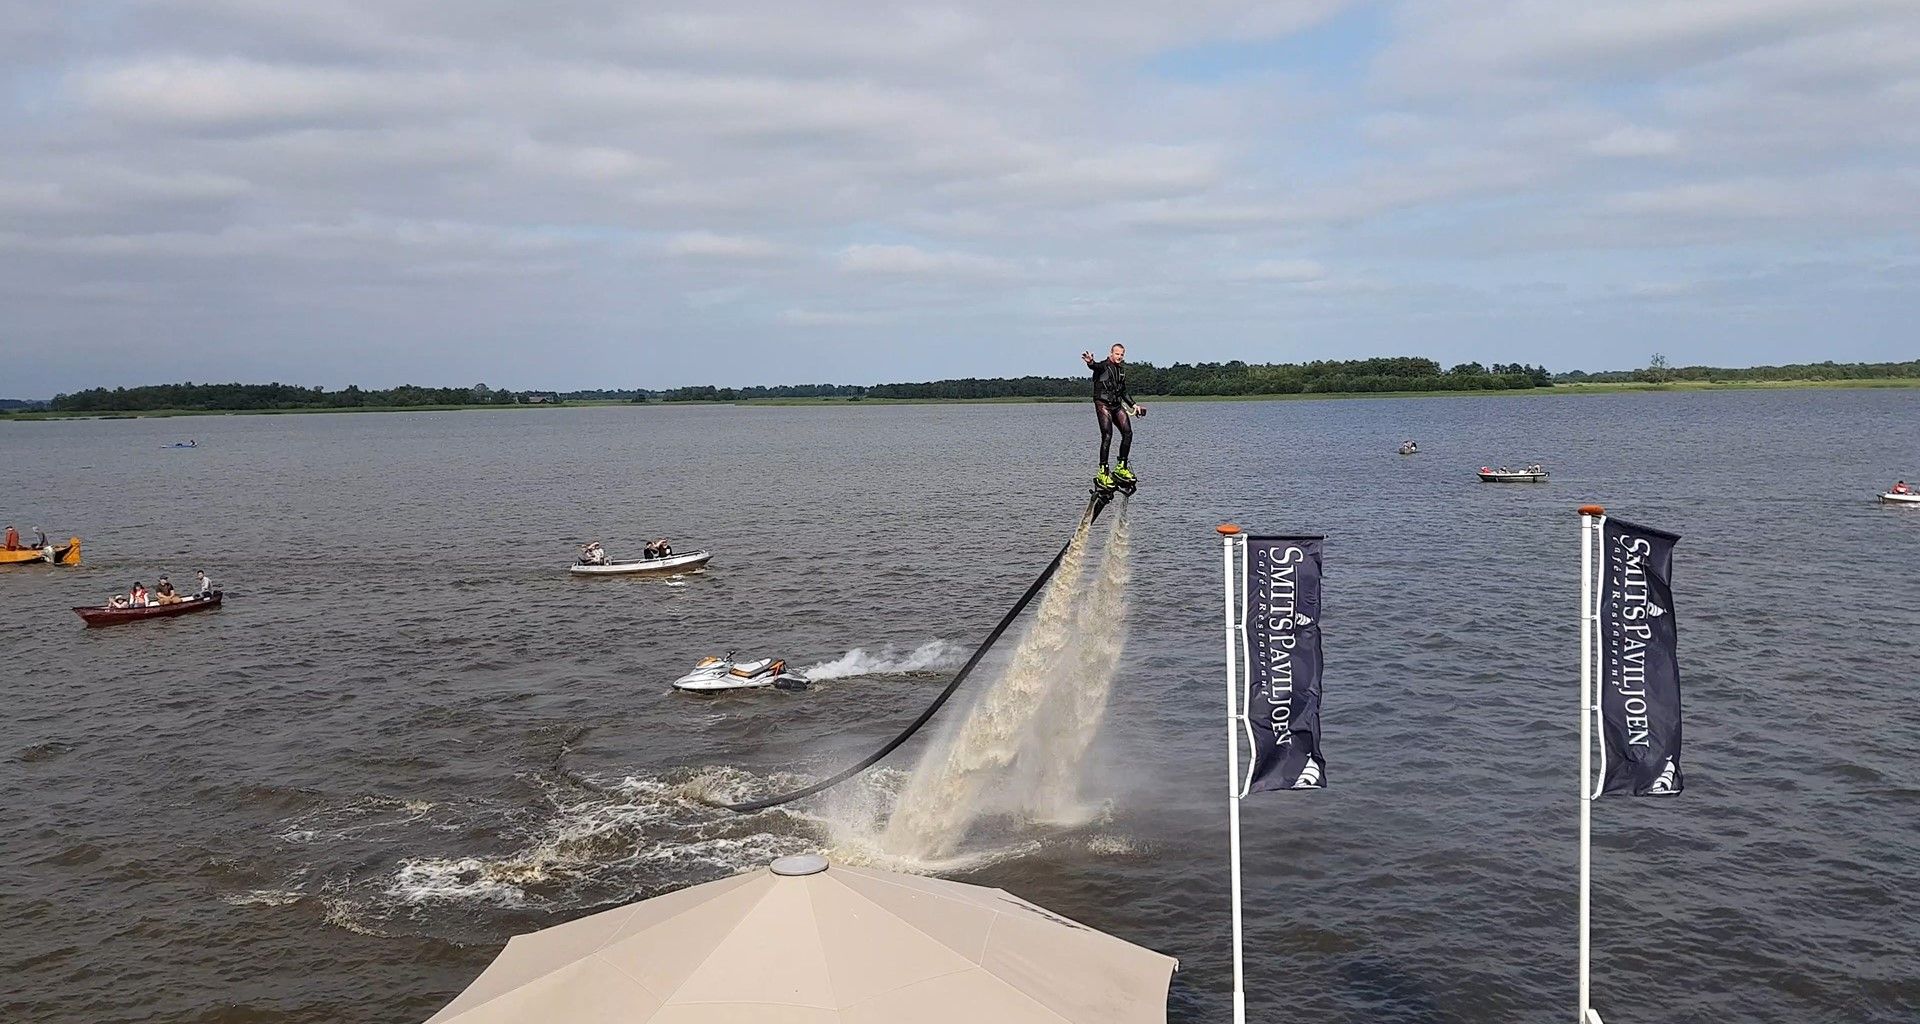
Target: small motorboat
(1909, 498)
(66, 554)
(1529, 475)
(1409, 449)
(108, 615)
(671, 563)
(713, 675)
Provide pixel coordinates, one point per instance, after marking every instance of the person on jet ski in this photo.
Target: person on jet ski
(1115, 408)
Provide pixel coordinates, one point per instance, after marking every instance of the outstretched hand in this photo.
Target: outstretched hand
(1087, 357)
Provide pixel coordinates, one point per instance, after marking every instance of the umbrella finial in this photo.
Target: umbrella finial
(800, 864)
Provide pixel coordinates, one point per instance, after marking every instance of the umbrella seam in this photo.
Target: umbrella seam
(937, 896)
(1002, 982)
(633, 910)
(595, 954)
(624, 973)
(833, 993)
(715, 950)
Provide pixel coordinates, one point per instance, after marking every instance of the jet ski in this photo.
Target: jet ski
(713, 675)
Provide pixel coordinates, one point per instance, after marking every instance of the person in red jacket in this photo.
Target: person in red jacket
(13, 539)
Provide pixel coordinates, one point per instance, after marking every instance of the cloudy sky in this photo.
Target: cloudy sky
(577, 193)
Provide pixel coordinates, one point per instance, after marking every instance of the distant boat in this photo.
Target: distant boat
(102, 615)
(181, 444)
(671, 563)
(1890, 498)
(1532, 475)
(1409, 449)
(67, 554)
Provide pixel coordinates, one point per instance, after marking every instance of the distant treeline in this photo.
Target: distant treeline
(1661, 374)
(1329, 376)
(238, 397)
(1384, 375)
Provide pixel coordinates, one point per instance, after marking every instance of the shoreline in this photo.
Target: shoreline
(1566, 388)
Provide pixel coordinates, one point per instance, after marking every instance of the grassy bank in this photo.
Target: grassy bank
(1571, 388)
(48, 414)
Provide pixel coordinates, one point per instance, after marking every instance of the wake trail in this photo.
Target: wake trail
(932, 656)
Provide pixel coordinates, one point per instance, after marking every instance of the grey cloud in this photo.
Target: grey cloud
(388, 190)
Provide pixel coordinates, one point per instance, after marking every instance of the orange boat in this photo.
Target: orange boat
(68, 554)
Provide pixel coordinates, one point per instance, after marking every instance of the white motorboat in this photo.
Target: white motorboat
(671, 563)
(1909, 498)
(714, 675)
(1529, 475)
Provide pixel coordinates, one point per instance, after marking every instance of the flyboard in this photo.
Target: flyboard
(1096, 504)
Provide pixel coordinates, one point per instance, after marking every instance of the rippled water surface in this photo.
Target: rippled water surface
(409, 734)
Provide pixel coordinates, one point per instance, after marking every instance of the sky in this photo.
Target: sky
(576, 193)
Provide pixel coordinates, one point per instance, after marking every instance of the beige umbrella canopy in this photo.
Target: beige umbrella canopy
(804, 943)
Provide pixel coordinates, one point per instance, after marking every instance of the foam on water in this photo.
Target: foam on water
(933, 656)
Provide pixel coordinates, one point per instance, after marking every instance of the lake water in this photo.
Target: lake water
(409, 734)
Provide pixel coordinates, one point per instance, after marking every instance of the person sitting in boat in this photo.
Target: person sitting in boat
(119, 601)
(39, 538)
(137, 597)
(593, 554)
(659, 549)
(13, 538)
(163, 592)
(206, 584)
(1901, 487)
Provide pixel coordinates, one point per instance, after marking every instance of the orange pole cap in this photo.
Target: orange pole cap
(1592, 510)
(1226, 529)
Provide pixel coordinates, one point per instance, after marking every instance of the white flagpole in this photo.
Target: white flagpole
(1589, 622)
(1229, 534)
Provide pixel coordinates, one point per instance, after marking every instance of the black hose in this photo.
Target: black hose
(1094, 508)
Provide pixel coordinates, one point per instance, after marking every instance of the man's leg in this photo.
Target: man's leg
(1106, 430)
(1125, 423)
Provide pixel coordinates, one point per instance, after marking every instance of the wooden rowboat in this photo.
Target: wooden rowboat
(103, 616)
(66, 554)
(672, 563)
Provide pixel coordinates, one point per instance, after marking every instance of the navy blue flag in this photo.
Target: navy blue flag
(1282, 642)
(1639, 670)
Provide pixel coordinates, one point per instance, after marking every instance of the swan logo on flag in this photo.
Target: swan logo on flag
(1280, 707)
(1663, 786)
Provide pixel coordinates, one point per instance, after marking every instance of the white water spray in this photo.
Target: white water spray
(1057, 745)
(932, 656)
(1012, 753)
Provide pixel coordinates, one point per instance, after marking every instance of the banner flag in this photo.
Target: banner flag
(1282, 647)
(1639, 669)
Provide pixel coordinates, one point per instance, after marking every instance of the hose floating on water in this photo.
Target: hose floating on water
(1094, 508)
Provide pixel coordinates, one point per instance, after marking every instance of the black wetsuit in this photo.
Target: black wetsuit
(1111, 403)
